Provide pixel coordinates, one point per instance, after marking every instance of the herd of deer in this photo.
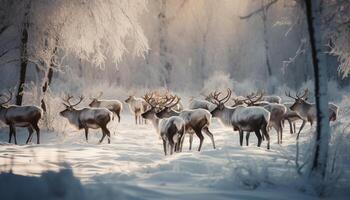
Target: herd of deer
(254, 113)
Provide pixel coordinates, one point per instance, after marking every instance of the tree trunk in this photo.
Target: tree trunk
(24, 56)
(163, 49)
(313, 13)
(49, 74)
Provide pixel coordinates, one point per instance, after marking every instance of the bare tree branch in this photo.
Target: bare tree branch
(265, 7)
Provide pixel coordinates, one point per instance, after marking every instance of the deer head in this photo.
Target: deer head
(69, 106)
(299, 99)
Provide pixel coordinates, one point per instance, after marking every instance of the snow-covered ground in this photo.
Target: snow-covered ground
(133, 165)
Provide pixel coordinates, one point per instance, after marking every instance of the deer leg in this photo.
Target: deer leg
(86, 134)
(247, 138)
(294, 127)
(190, 139)
(37, 130)
(240, 137)
(201, 138)
(302, 126)
(118, 115)
(14, 134)
(108, 134)
(135, 119)
(281, 130)
(182, 141)
(266, 134)
(258, 135)
(30, 134)
(290, 126)
(10, 133)
(206, 130)
(103, 136)
(164, 147)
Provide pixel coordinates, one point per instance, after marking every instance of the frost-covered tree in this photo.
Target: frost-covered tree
(91, 30)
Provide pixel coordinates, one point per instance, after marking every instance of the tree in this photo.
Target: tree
(318, 50)
(91, 30)
(264, 14)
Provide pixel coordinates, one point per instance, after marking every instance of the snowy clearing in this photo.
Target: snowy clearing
(133, 165)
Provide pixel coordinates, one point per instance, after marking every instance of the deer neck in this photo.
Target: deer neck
(3, 113)
(74, 118)
(226, 115)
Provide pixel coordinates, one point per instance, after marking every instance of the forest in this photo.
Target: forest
(174, 99)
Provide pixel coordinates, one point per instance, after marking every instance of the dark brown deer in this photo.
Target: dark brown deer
(308, 110)
(86, 118)
(20, 116)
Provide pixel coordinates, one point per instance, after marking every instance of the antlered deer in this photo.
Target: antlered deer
(196, 120)
(277, 113)
(171, 129)
(20, 116)
(308, 110)
(86, 118)
(250, 119)
(137, 106)
(115, 106)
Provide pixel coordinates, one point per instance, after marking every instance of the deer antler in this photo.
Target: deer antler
(214, 97)
(253, 98)
(170, 100)
(150, 99)
(8, 98)
(289, 95)
(69, 97)
(306, 93)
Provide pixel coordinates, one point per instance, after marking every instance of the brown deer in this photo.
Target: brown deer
(196, 120)
(276, 110)
(115, 106)
(20, 116)
(241, 118)
(170, 130)
(86, 118)
(308, 110)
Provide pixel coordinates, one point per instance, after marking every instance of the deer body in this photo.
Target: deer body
(170, 130)
(86, 118)
(272, 99)
(308, 111)
(114, 106)
(196, 121)
(137, 106)
(242, 118)
(198, 103)
(21, 116)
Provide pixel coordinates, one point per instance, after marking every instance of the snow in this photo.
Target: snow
(133, 166)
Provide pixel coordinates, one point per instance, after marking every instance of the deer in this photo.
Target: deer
(242, 118)
(137, 106)
(272, 99)
(196, 120)
(276, 110)
(199, 103)
(115, 106)
(308, 110)
(20, 116)
(170, 130)
(87, 117)
(291, 116)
